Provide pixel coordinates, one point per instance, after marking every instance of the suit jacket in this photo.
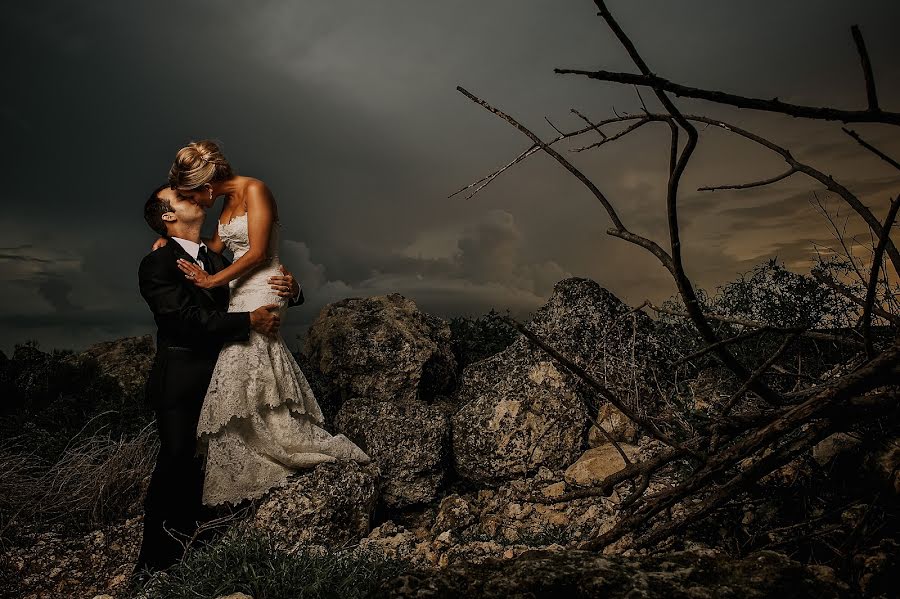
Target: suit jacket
(192, 326)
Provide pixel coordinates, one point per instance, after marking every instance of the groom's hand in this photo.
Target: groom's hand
(265, 320)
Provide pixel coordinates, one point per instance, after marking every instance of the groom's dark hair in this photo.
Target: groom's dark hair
(155, 208)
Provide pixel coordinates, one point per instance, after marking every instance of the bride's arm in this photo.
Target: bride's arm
(215, 243)
(260, 216)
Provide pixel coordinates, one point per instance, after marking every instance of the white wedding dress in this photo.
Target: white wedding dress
(260, 421)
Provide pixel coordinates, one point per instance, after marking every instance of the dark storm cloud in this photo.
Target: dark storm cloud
(348, 110)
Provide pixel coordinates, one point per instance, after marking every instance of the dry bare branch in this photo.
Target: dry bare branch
(871, 148)
(871, 96)
(751, 184)
(873, 276)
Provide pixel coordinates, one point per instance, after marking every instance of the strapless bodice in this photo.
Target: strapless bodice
(251, 290)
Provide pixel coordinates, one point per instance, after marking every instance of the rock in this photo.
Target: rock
(382, 347)
(505, 515)
(53, 564)
(454, 513)
(329, 505)
(126, 360)
(396, 542)
(408, 440)
(516, 417)
(830, 448)
(885, 462)
(519, 411)
(878, 567)
(327, 395)
(614, 422)
(597, 463)
(583, 574)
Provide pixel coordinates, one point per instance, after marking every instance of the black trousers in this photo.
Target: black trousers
(173, 507)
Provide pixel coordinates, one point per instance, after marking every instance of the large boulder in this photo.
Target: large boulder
(408, 440)
(382, 347)
(329, 505)
(518, 414)
(521, 411)
(576, 574)
(125, 360)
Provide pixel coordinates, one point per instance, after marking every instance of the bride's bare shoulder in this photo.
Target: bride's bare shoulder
(254, 185)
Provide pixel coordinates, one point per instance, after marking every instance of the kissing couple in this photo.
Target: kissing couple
(235, 415)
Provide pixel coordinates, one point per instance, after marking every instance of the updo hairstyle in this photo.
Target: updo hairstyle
(199, 163)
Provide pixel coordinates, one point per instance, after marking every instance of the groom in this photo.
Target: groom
(192, 326)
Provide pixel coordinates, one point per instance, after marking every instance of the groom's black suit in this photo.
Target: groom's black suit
(192, 326)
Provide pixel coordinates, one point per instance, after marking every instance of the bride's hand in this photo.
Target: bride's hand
(195, 274)
(159, 243)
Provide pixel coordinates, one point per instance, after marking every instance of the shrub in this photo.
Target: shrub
(96, 480)
(251, 564)
(478, 338)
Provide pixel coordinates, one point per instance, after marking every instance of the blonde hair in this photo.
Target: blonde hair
(198, 163)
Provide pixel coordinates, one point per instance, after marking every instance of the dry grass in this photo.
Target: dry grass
(97, 480)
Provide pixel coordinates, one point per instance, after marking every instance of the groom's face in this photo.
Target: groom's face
(183, 210)
(201, 196)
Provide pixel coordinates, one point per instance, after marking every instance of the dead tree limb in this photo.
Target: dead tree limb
(876, 373)
(873, 276)
(873, 114)
(871, 96)
(871, 148)
(676, 170)
(773, 105)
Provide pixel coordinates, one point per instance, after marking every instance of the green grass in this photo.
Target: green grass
(251, 564)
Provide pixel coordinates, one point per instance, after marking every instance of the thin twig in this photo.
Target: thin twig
(871, 148)
(831, 283)
(751, 184)
(759, 372)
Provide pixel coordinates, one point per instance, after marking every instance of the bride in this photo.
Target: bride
(260, 421)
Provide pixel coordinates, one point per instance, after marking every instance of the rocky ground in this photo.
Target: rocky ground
(469, 466)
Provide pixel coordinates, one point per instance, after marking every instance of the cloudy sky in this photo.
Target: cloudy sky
(348, 110)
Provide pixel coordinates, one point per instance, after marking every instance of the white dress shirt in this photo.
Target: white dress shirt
(193, 250)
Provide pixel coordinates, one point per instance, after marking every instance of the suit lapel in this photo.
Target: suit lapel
(216, 263)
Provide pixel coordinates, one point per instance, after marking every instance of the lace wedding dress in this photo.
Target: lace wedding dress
(260, 421)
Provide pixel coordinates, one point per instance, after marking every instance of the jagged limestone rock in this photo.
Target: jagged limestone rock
(584, 574)
(520, 411)
(126, 360)
(382, 347)
(329, 505)
(408, 440)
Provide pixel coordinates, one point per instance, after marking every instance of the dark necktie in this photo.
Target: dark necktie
(203, 257)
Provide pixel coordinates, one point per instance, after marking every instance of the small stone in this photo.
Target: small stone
(554, 490)
(597, 463)
(832, 446)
